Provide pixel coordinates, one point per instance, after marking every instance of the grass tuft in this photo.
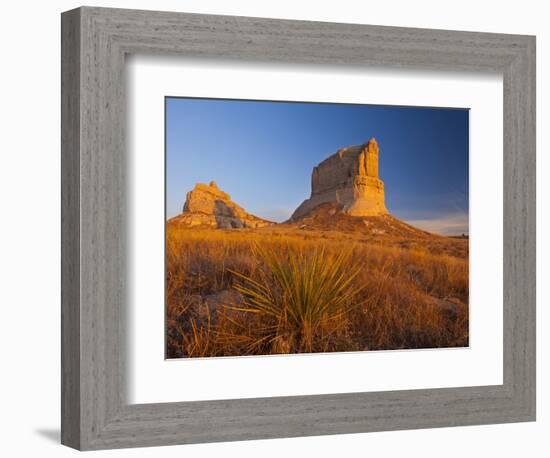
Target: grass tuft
(300, 292)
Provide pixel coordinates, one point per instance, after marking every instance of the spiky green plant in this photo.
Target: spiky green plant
(299, 292)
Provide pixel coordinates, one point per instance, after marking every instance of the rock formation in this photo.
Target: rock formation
(207, 205)
(349, 179)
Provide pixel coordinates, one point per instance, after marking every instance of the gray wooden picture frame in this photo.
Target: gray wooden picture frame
(95, 412)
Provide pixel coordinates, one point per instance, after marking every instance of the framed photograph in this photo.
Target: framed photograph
(337, 272)
(278, 228)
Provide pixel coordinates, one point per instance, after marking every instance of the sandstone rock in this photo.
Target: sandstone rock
(208, 206)
(348, 178)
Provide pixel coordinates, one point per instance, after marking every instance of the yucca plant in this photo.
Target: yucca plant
(300, 293)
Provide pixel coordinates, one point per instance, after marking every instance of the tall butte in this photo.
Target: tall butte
(349, 178)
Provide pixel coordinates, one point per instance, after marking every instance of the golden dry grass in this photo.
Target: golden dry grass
(252, 292)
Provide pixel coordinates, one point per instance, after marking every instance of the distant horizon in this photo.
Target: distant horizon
(262, 154)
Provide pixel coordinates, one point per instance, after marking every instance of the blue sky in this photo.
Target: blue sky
(262, 154)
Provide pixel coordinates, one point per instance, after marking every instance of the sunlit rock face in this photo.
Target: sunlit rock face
(207, 205)
(348, 178)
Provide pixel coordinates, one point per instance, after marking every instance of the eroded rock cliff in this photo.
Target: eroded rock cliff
(349, 179)
(207, 205)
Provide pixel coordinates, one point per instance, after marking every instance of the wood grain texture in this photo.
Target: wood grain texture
(70, 229)
(95, 410)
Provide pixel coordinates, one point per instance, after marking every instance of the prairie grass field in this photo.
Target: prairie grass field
(281, 290)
